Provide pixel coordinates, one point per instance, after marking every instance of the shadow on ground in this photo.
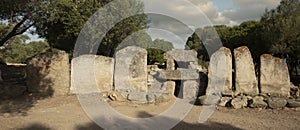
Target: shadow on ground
(180, 126)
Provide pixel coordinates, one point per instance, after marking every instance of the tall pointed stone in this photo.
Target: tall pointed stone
(245, 78)
(220, 72)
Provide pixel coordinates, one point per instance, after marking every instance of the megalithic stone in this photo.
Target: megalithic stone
(274, 76)
(245, 78)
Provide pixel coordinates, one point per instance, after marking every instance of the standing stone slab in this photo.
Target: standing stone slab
(49, 73)
(274, 76)
(245, 79)
(189, 89)
(131, 70)
(101, 72)
(220, 72)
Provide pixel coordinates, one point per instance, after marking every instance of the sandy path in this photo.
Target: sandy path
(66, 113)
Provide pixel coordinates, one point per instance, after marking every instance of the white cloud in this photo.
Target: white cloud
(249, 9)
(201, 13)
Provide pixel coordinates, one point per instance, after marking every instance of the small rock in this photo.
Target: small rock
(138, 97)
(113, 97)
(293, 103)
(295, 92)
(224, 101)
(276, 103)
(258, 102)
(239, 102)
(201, 99)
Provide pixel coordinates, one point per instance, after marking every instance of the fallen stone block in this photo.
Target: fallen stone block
(258, 102)
(276, 102)
(239, 102)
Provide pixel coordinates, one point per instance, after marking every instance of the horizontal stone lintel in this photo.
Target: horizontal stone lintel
(182, 74)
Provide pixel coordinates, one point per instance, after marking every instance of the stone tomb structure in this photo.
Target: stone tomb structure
(182, 65)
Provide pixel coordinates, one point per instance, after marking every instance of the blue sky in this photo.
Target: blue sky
(224, 4)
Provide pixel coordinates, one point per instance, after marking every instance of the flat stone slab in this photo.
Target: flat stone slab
(274, 76)
(181, 74)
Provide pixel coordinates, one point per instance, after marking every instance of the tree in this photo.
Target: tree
(17, 51)
(20, 15)
(157, 50)
(60, 21)
(282, 32)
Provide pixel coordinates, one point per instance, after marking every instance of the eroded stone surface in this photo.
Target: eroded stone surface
(220, 72)
(49, 73)
(92, 70)
(258, 102)
(245, 78)
(131, 70)
(180, 74)
(274, 76)
(239, 102)
(276, 102)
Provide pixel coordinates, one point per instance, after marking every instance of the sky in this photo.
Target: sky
(178, 15)
(200, 13)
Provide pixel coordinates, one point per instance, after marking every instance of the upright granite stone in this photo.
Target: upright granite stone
(49, 73)
(274, 76)
(245, 78)
(130, 74)
(220, 72)
(101, 71)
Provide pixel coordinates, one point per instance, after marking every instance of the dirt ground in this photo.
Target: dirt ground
(65, 112)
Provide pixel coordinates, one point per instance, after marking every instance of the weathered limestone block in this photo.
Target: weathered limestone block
(131, 70)
(190, 89)
(170, 63)
(245, 78)
(239, 102)
(276, 102)
(180, 74)
(258, 102)
(220, 72)
(92, 70)
(49, 73)
(183, 58)
(274, 76)
(101, 68)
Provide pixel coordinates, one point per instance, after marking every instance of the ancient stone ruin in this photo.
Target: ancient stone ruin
(49, 73)
(245, 78)
(220, 72)
(101, 67)
(128, 77)
(274, 76)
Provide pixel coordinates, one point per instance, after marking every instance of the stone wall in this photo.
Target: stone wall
(49, 73)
